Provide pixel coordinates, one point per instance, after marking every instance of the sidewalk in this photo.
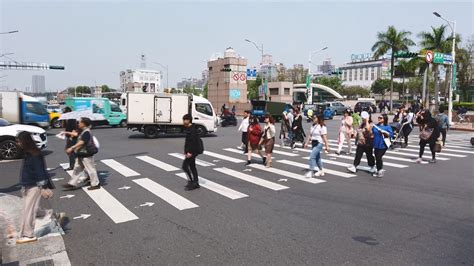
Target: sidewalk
(48, 250)
(463, 126)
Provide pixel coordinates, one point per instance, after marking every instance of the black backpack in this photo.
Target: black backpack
(200, 148)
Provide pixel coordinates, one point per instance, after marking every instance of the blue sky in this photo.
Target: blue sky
(95, 40)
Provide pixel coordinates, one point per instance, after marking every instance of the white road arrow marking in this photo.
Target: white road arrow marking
(68, 196)
(82, 216)
(149, 204)
(247, 170)
(57, 179)
(282, 180)
(124, 187)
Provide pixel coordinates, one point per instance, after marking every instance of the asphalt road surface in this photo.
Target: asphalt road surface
(415, 214)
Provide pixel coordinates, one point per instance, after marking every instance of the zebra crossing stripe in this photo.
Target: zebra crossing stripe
(328, 171)
(396, 165)
(287, 174)
(289, 154)
(108, 203)
(122, 169)
(251, 179)
(198, 162)
(223, 157)
(157, 163)
(449, 145)
(240, 152)
(219, 189)
(165, 194)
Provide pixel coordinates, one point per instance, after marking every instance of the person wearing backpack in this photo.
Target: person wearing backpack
(193, 146)
(85, 148)
(443, 123)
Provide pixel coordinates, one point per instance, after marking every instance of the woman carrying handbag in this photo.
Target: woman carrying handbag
(429, 133)
(36, 184)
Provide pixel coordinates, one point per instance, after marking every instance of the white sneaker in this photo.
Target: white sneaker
(319, 173)
(381, 173)
(419, 160)
(373, 169)
(352, 169)
(309, 174)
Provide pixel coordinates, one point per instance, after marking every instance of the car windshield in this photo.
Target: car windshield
(3, 122)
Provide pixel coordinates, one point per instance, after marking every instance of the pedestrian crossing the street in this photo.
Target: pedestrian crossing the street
(288, 164)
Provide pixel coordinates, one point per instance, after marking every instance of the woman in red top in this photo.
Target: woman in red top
(254, 133)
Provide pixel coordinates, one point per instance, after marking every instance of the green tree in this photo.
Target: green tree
(465, 78)
(415, 85)
(437, 42)
(252, 88)
(205, 90)
(334, 83)
(405, 68)
(106, 88)
(393, 41)
(354, 92)
(380, 86)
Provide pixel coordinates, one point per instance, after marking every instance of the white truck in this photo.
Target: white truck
(159, 113)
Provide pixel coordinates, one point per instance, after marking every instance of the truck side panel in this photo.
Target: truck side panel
(10, 107)
(180, 107)
(140, 108)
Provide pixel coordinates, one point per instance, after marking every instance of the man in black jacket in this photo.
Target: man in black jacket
(191, 147)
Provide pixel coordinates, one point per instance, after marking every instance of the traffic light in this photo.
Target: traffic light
(405, 54)
(56, 67)
(226, 69)
(337, 72)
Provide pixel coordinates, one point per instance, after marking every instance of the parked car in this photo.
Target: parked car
(328, 113)
(337, 107)
(364, 106)
(9, 149)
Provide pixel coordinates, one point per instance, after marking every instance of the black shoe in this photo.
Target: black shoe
(93, 187)
(196, 185)
(248, 162)
(192, 186)
(68, 187)
(70, 168)
(264, 160)
(188, 184)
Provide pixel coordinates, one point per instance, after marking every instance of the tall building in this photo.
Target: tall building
(141, 80)
(363, 70)
(326, 67)
(228, 81)
(38, 84)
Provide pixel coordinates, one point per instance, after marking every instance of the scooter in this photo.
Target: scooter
(228, 120)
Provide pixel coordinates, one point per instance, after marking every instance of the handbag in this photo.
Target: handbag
(90, 148)
(438, 145)
(426, 133)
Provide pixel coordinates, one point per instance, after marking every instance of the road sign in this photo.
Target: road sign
(251, 74)
(429, 56)
(236, 76)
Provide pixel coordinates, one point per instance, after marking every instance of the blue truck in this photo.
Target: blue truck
(18, 108)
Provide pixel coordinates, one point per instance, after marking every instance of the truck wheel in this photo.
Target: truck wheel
(9, 150)
(123, 123)
(151, 132)
(201, 131)
(56, 123)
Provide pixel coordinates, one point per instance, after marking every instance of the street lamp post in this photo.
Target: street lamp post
(264, 76)
(309, 91)
(167, 72)
(453, 53)
(9, 32)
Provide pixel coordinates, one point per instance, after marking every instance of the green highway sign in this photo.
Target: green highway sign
(444, 59)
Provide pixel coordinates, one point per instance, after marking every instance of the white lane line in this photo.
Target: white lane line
(412, 158)
(251, 179)
(365, 160)
(108, 203)
(122, 169)
(240, 152)
(328, 171)
(288, 174)
(165, 194)
(449, 145)
(296, 149)
(219, 189)
(223, 157)
(283, 153)
(157, 163)
(198, 162)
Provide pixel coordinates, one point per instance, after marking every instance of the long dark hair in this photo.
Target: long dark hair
(270, 118)
(321, 120)
(27, 143)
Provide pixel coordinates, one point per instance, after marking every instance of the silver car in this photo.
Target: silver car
(337, 107)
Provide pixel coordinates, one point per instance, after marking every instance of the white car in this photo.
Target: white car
(8, 147)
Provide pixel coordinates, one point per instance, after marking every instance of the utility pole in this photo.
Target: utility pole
(261, 68)
(309, 77)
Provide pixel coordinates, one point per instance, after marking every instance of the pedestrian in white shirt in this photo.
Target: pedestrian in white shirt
(244, 125)
(345, 132)
(317, 137)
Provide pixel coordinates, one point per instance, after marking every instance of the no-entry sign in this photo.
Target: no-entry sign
(429, 56)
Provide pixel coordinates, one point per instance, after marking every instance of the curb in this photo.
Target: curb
(49, 249)
(462, 129)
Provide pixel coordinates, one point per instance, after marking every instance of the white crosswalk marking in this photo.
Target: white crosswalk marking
(223, 157)
(157, 163)
(288, 174)
(220, 189)
(251, 179)
(165, 194)
(198, 162)
(284, 153)
(122, 169)
(108, 203)
(328, 171)
(362, 160)
(240, 152)
(448, 145)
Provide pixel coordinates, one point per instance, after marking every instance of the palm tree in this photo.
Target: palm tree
(406, 68)
(393, 41)
(436, 42)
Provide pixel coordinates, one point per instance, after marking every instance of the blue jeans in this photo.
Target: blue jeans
(315, 157)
